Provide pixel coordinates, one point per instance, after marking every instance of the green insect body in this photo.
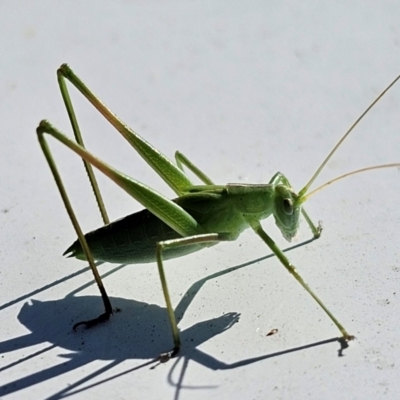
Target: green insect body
(201, 216)
(227, 211)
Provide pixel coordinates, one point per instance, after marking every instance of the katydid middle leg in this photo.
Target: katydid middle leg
(162, 246)
(290, 267)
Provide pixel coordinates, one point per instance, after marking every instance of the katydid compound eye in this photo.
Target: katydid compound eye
(288, 206)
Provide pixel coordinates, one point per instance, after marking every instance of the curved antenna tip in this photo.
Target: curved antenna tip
(305, 197)
(304, 190)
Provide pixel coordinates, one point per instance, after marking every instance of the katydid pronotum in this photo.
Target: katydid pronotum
(201, 216)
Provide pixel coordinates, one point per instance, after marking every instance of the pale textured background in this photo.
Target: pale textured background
(244, 89)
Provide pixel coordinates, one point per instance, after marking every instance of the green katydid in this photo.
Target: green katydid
(201, 215)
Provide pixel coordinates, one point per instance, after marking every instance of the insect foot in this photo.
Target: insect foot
(344, 343)
(93, 322)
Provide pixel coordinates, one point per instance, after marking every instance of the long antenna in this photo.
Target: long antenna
(310, 182)
(307, 196)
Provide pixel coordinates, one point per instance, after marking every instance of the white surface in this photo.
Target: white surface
(244, 90)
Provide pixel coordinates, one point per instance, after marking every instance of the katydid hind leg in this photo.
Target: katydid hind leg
(161, 164)
(78, 137)
(159, 205)
(286, 263)
(168, 211)
(161, 247)
(61, 188)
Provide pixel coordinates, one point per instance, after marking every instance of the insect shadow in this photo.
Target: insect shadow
(140, 331)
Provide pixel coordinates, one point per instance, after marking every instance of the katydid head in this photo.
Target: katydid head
(286, 211)
(287, 203)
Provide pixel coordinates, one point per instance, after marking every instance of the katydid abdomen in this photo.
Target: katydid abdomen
(131, 240)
